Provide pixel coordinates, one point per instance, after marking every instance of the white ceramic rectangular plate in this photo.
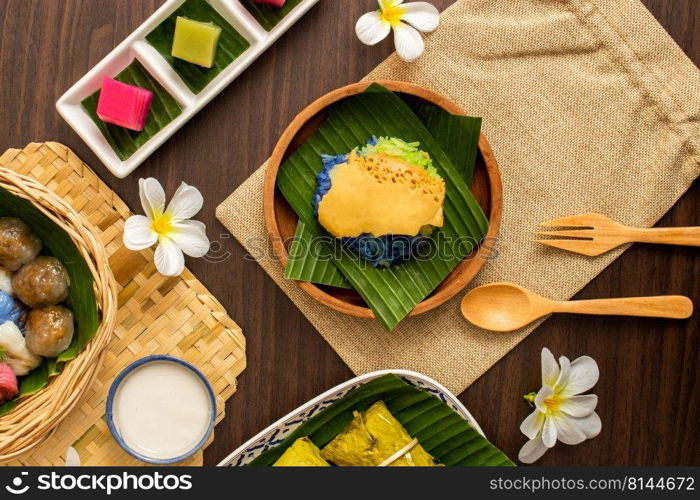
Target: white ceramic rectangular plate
(275, 434)
(136, 46)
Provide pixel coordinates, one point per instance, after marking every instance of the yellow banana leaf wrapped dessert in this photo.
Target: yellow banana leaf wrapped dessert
(303, 453)
(372, 438)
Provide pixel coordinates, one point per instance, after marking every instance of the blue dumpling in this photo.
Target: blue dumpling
(387, 250)
(12, 310)
(382, 252)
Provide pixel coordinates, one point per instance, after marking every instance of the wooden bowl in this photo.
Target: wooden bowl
(281, 221)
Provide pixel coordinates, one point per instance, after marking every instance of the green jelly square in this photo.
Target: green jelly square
(195, 41)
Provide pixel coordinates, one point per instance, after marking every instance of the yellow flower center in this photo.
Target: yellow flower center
(391, 15)
(162, 224)
(552, 403)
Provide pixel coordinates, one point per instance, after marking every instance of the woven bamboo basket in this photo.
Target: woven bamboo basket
(37, 416)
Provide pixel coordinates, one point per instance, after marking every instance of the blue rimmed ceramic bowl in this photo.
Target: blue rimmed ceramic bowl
(110, 407)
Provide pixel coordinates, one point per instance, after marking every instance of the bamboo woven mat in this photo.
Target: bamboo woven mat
(157, 314)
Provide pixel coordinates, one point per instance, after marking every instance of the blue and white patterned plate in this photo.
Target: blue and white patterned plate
(277, 432)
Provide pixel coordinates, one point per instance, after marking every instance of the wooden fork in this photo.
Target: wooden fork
(596, 234)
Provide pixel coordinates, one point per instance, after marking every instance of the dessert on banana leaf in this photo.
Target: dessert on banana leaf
(303, 453)
(383, 201)
(372, 438)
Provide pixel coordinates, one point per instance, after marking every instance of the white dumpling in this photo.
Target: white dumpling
(6, 281)
(15, 350)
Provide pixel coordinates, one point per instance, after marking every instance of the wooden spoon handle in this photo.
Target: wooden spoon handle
(687, 236)
(671, 306)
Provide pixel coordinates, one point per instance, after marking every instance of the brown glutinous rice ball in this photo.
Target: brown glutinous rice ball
(18, 244)
(42, 282)
(49, 331)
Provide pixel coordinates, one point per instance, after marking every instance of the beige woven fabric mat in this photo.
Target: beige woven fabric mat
(157, 315)
(589, 106)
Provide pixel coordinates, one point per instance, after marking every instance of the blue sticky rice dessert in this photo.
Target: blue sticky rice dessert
(13, 311)
(382, 201)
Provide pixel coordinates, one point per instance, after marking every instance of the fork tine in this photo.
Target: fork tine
(590, 220)
(570, 233)
(583, 247)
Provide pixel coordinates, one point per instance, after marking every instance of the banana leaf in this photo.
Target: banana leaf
(7, 407)
(231, 44)
(390, 293)
(81, 295)
(306, 262)
(30, 384)
(440, 430)
(35, 380)
(458, 136)
(268, 15)
(164, 109)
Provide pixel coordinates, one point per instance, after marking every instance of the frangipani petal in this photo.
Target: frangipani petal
(191, 237)
(549, 432)
(567, 430)
(532, 451)
(186, 203)
(550, 368)
(372, 29)
(579, 406)
(138, 234)
(564, 374)
(169, 258)
(72, 457)
(584, 375)
(545, 392)
(590, 425)
(532, 425)
(421, 15)
(152, 197)
(409, 42)
(387, 4)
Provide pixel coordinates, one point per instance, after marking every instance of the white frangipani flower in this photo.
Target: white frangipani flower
(169, 227)
(406, 19)
(562, 412)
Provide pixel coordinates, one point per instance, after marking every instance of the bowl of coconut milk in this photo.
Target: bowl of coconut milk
(161, 410)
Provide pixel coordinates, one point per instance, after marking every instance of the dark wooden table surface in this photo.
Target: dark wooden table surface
(649, 387)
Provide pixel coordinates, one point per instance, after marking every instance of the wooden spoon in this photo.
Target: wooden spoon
(504, 307)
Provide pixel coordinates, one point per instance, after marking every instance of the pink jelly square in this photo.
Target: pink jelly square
(276, 3)
(124, 105)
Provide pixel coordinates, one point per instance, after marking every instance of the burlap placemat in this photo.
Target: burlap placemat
(589, 106)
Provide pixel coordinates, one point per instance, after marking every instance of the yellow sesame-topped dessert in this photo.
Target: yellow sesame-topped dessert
(383, 200)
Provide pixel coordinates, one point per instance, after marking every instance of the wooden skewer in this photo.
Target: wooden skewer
(399, 454)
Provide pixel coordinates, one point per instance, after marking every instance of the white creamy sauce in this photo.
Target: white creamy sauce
(162, 410)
